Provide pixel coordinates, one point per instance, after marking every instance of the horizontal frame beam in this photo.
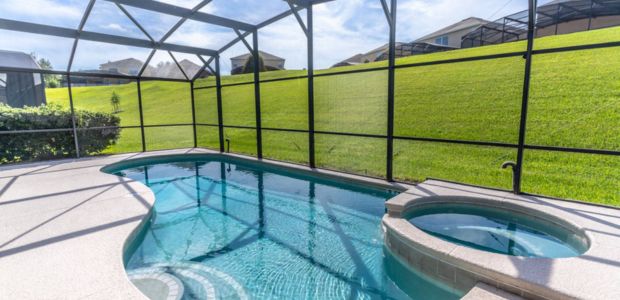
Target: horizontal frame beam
(83, 74)
(49, 30)
(362, 135)
(182, 12)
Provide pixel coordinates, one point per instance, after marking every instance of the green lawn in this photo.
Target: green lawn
(575, 102)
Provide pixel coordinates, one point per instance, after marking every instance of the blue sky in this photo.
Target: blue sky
(342, 27)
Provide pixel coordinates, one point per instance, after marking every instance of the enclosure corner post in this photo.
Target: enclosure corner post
(526, 93)
(191, 86)
(218, 89)
(310, 52)
(256, 57)
(73, 121)
(391, 92)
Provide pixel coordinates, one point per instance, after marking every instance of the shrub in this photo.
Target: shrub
(40, 146)
(115, 100)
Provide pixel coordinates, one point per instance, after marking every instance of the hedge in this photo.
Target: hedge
(21, 147)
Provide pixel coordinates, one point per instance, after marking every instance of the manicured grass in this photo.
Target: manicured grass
(574, 102)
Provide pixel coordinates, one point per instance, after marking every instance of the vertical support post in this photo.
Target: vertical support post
(218, 89)
(310, 46)
(526, 92)
(141, 116)
(73, 123)
(256, 57)
(391, 93)
(481, 36)
(191, 86)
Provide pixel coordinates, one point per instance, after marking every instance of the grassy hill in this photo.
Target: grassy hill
(575, 102)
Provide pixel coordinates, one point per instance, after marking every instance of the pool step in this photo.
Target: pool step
(483, 291)
(171, 280)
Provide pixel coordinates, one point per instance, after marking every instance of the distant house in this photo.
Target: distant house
(382, 53)
(243, 63)
(132, 67)
(568, 16)
(128, 66)
(451, 36)
(555, 17)
(364, 58)
(169, 69)
(19, 89)
(189, 67)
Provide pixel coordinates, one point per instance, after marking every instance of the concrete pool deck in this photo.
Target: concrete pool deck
(63, 227)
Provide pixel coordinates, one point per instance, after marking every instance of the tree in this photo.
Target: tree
(115, 100)
(51, 80)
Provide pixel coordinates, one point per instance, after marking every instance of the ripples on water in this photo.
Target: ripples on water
(234, 231)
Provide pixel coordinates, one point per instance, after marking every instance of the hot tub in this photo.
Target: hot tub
(461, 238)
(503, 230)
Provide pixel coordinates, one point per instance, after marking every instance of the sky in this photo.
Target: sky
(342, 28)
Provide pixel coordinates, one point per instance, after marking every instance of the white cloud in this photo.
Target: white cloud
(182, 3)
(114, 26)
(196, 34)
(63, 13)
(343, 29)
(57, 50)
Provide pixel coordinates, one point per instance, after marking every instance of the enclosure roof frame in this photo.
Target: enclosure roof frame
(242, 29)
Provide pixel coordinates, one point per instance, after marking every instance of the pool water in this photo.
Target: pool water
(498, 231)
(227, 229)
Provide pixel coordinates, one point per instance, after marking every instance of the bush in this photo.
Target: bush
(48, 145)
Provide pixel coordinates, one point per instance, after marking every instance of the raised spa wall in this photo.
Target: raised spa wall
(460, 267)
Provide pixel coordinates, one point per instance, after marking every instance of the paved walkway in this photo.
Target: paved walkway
(63, 226)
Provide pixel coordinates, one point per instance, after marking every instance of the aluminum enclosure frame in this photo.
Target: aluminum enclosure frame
(244, 30)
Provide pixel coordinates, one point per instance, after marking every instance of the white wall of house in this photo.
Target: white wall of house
(454, 38)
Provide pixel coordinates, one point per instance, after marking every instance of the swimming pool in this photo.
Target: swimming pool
(227, 228)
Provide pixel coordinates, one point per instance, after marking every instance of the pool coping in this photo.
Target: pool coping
(61, 221)
(533, 278)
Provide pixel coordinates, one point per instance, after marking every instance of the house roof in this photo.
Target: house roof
(371, 55)
(189, 64)
(15, 59)
(264, 55)
(122, 62)
(460, 25)
(354, 59)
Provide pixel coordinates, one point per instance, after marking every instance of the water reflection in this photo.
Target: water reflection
(276, 234)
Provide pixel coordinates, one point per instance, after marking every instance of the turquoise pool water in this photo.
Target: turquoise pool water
(227, 229)
(498, 231)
